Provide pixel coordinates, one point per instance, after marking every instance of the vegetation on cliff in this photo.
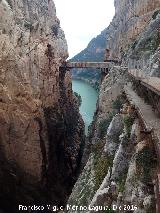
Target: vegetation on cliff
(79, 99)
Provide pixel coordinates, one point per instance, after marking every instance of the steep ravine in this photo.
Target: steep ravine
(41, 130)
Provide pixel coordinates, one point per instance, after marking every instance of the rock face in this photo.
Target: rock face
(144, 53)
(41, 131)
(131, 18)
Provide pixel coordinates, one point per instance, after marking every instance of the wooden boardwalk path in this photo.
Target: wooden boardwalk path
(151, 123)
(152, 83)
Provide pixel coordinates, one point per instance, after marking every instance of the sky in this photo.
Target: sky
(83, 20)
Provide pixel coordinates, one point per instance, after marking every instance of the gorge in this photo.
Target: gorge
(45, 158)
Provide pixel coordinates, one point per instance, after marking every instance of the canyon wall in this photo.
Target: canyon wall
(41, 131)
(130, 20)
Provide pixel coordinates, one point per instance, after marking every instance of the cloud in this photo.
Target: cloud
(82, 20)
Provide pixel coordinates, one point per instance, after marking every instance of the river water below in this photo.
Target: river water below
(89, 99)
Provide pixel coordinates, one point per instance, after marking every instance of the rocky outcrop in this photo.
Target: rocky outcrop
(130, 20)
(41, 131)
(144, 53)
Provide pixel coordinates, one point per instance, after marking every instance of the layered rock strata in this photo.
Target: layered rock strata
(130, 20)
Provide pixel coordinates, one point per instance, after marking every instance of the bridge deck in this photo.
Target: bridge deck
(95, 65)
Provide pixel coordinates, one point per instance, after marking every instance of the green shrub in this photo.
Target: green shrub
(96, 86)
(78, 98)
(152, 43)
(97, 148)
(117, 104)
(128, 121)
(121, 181)
(144, 159)
(121, 186)
(101, 169)
(103, 126)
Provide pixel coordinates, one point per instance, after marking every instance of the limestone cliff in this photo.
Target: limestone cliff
(130, 20)
(41, 131)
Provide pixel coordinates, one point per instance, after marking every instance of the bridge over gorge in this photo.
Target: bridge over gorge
(95, 65)
(103, 67)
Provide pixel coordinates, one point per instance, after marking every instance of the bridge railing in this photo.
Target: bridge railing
(95, 65)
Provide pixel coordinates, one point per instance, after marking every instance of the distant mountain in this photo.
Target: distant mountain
(93, 52)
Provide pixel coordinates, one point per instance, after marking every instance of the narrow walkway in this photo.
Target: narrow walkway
(151, 123)
(149, 117)
(152, 83)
